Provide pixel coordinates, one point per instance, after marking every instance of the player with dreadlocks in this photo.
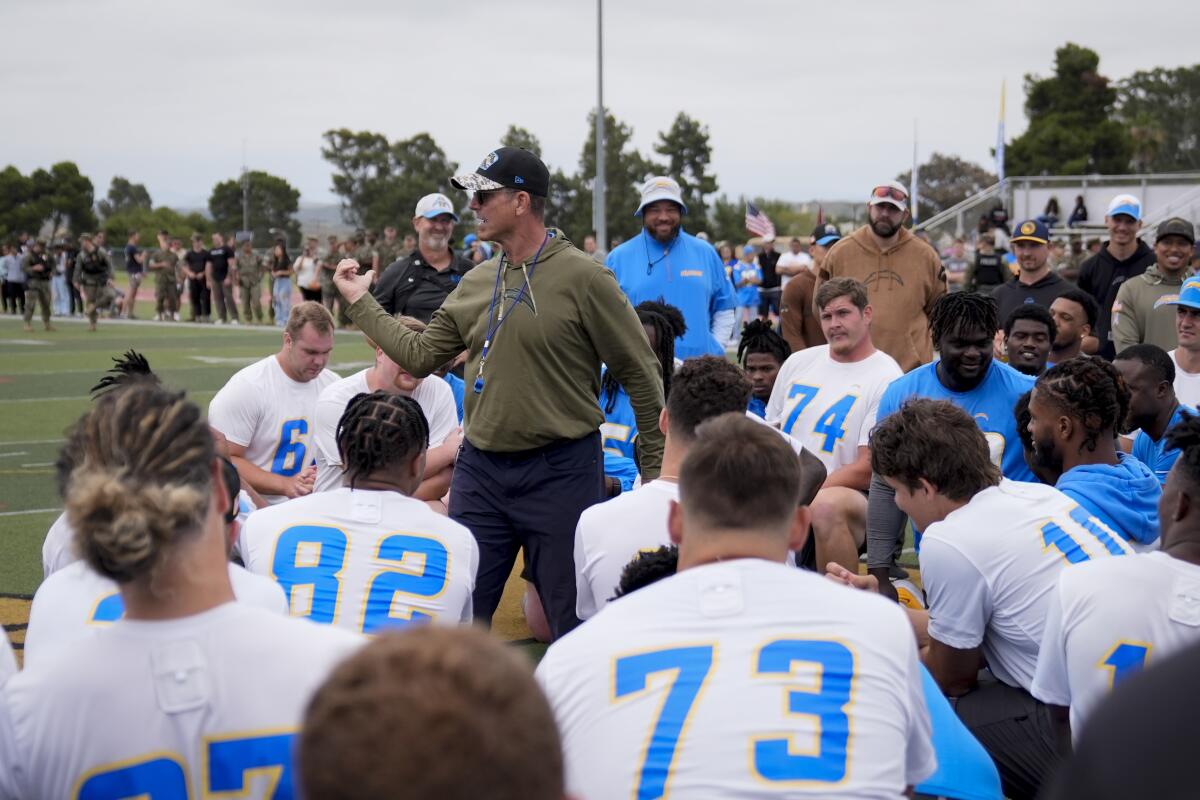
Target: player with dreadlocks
(1076, 410)
(663, 324)
(369, 555)
(963, 326)
(761, 352)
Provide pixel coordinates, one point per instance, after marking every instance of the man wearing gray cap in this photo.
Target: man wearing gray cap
(1141, 313)
(537, 323)
(419, 283)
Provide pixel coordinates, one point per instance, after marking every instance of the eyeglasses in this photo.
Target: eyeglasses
(889, 193)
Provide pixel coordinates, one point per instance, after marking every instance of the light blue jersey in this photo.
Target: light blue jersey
(456, 387)
(1157, 455)
(747, 296)
(687, 274)
(619, 436)
(990, 403)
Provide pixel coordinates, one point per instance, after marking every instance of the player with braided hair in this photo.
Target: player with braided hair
(189, 693)
(436, 399)
(369, 555)
(1095, 637)
(663, 324)
(963, 326)
(1077, 409)
(761, 352)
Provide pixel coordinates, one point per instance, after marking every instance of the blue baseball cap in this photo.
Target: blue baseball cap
(825, 234)
(469, 238)
(1032, 230)
(748, 250)
(1189, 294)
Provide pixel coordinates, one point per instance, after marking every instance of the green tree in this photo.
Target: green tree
(569, 206)
(625, 169)
(688, 154)
(946, 180)
(149, 222)
(380, 182)
(124, 196)
(273, 203)
(65, 198)
(1070, 130)
(20, 208)
(1161, 108)
(517, 136)
(727, 220)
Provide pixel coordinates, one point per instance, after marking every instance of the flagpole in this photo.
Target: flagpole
(599, 222)
(913, 197)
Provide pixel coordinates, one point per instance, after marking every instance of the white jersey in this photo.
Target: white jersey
(990, 566)
(828, 405)
(271, 415)
(8, 661)
(1187, 384)
(77, 598)
(743, 678)
(1107, 620)
(435, 398)
(611, 534)
(364, 560)
(59, 548)
(194, 707)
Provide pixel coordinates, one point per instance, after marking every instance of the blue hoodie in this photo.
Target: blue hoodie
(1124, 497)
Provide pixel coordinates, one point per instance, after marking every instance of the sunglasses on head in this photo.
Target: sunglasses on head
(889, 193)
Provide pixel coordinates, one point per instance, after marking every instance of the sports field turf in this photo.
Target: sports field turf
(44, 384)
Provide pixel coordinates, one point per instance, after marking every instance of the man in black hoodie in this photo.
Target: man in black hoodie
(1124, 256)
(1036, 282)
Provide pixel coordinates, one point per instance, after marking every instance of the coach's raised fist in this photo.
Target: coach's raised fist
(347, 280)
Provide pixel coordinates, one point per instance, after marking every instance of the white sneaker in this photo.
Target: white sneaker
(177, 316)
(234, 322)
(218, 321)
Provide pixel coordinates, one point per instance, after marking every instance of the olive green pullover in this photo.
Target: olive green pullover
(542, 374)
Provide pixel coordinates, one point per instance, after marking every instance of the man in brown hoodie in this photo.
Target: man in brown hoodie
(903, 276)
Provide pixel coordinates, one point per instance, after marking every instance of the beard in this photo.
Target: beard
(1046, 457)
(435, 243)
(883, 228)
(670, 235)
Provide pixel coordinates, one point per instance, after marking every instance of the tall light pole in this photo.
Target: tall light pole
(245, 191)
(599, 222)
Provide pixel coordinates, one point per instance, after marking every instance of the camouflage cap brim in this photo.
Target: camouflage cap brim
(474, 182)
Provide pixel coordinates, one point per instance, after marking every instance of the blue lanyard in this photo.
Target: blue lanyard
(501, 316)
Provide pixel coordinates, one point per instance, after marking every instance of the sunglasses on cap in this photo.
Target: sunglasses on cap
(889, 193)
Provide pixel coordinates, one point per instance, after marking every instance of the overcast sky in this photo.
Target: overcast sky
(803, 100)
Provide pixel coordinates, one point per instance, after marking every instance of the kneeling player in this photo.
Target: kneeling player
(1095, 636)
(746, 678)
(992, 552)
(191, 694)
(368, 555)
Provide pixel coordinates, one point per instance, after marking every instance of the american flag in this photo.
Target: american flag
(758, 223)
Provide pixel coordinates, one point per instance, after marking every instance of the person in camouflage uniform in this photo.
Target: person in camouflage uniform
(38, 267)
(249, 278)
(365, 252)
(93, 271)
(163, 263)
(329, 261)
(388, 249)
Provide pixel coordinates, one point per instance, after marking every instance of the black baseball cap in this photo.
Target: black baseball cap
(825, 234)
(1176, 226)
(507, 168)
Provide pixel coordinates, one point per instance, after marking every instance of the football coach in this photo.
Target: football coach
(538, 322)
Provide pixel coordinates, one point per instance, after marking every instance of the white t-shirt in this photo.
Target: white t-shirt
(611, 534)
(59, 548)
(306, 272)
(77, 598)
(828, 405)
(191, 707)
(790, 259)
(990, 566)
(1187, 384)
(1106, 619)
(683, 688)
(363, 559)
(435, 398)
(271, 415)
